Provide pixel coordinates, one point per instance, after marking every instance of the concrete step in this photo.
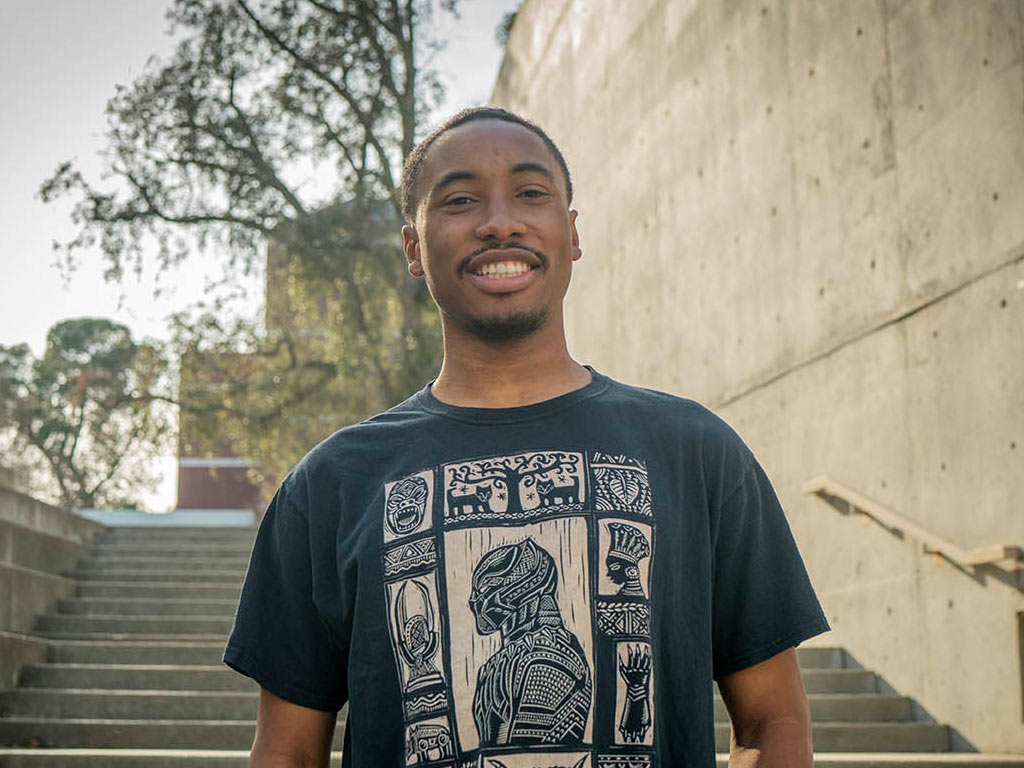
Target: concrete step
(219, 705)
(867, 737)
(905, 760)
(170, 549)
(823, 657)
(143, 589)
(128, 758)
(839, 681)
(136, 677)
(64, 703)
(222, 758)
(847, 707)
(168, 734)
(94, 652)
(143, 565)
(140, 606)
(182, 625)
(124, 534)
(178, 578)
(133, 637)
(238, 734)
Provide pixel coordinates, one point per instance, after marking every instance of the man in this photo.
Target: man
(526, 563)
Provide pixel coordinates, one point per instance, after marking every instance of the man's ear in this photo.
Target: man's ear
(411, 247)
(577, 252)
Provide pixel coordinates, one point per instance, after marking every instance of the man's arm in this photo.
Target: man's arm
(290, 736)
(771, 722)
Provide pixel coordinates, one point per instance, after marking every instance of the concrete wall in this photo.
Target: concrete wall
(810, 216)
(38, 542)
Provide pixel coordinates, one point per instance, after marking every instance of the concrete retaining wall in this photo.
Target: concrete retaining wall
(38, 542)
(810, 216)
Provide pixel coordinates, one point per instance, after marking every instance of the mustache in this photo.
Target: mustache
(464, 264)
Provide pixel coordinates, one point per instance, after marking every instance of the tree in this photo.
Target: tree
(213, 150)
(90, 411)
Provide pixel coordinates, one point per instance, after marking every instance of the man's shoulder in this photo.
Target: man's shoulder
(674, 416)
(356, 449)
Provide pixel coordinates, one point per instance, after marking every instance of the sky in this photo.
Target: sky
(60, 61)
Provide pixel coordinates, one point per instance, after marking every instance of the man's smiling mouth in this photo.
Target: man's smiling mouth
(509, 268)
(509, 262)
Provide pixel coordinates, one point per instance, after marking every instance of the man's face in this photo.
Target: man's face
(493, 235)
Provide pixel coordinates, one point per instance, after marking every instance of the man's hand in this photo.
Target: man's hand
(290, 736)
(771, 722)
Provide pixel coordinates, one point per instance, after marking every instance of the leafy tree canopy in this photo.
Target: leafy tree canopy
(277, 125)
(87, 415)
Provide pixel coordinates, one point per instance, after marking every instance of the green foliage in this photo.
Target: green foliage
(280, 125)
(504, 28)
(87, 414)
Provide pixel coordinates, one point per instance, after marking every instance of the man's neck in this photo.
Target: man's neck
(482, 374)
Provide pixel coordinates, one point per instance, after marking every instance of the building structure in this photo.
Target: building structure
(810, 217)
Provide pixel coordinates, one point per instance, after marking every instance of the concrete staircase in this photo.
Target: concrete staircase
(134, 677)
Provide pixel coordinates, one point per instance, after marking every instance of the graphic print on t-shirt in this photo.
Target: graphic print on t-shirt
(517, 590)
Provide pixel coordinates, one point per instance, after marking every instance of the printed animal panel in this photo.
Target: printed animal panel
(522, 656)
(621, 484)
(625, 550)
(429, 742)
(516, 488)
(539, 760)
(416, 636)
(634, 694)
(408, 505)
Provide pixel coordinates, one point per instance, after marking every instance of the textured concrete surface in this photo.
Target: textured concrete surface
(17, 650)
(810, 217)
(17, 508)
(26, 593)
(40, 551)
(38, 542)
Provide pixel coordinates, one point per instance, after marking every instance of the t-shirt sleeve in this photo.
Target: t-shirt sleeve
(279, 638)
(762, 599)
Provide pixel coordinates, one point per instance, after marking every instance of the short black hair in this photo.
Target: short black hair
(418, 156)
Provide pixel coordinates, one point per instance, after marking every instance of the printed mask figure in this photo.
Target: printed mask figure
(536, 688)
(417, 639)
(428, 742)
(406, 506)
(628, 547)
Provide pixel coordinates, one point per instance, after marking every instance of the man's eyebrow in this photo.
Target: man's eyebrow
(532, 166)
(451, 177)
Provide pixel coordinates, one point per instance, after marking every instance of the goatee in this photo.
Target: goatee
(511, 327)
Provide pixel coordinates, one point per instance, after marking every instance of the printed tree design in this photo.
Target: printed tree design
(517, 471)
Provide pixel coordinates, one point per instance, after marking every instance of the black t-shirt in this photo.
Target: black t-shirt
(555, 584)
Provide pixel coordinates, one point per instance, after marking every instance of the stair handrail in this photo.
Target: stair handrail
(823, 485)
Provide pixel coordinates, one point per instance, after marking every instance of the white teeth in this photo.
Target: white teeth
(503, 269)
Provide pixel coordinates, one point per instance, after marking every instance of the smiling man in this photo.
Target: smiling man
(527, 563)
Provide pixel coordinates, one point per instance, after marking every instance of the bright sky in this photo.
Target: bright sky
(59, 63)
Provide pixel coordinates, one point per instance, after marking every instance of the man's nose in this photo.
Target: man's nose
(500, 223)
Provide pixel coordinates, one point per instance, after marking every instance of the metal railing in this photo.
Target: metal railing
(825, 487)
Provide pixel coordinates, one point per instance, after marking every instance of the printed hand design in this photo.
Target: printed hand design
(636, 711)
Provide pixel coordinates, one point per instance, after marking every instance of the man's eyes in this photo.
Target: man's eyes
(459, 201)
